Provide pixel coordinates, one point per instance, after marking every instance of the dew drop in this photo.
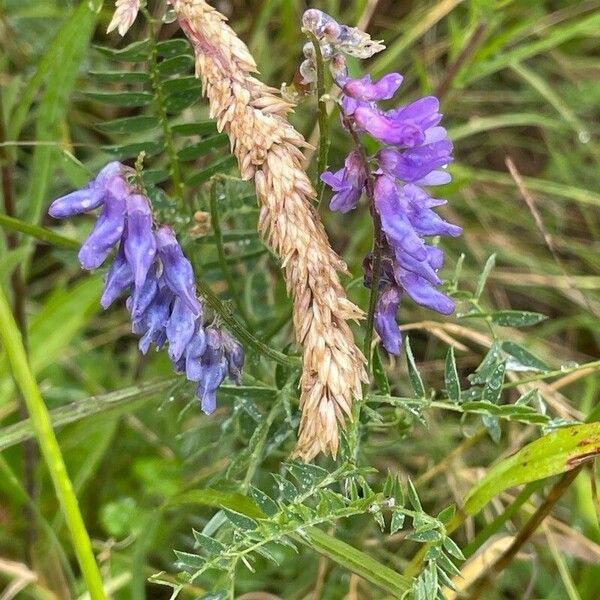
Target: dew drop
(584, 136)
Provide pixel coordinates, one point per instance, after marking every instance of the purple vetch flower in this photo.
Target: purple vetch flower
(180, 329)
(178, 273)
(90, 197)
(385, 318)
(150, 265)
(193, 355)
(109, 227)
(154, 320)
(423, 165)
(117, 280)
(348, 183)
(143, 295)
(365, 90)
(140, 245)
(416, 151)
(214, 368)
(234, 353)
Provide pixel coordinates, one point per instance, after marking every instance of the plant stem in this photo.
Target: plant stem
(40, 421)
(557, 491)
(264, 428)
(239, 330)
(353, 438)
(324, 138)
(19, 288)
(163, 117)
(216, 225)
(377, 243)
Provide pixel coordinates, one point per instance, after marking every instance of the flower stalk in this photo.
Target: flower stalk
(323, 116)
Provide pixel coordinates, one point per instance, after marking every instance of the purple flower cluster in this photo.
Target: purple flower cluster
(151, 267)
(415, 153)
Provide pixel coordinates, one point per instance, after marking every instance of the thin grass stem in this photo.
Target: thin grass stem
(216, 225)
(324, 137)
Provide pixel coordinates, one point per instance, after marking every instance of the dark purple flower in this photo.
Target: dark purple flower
(234, 354)
(425, 221)
(178, 272)
(214, 368)
(416, 153)
(394, 222)
(367, 91)
(140, 245)
(385, 318)
(143, 296)
(118, 279)
(180, 329)
(417, 165)
(90, 197)
(163, 303)
(422, 113)
(155, 319)
(387, 129)
(193, 353)
(348, 183)
(423, 293)
(108, 229)
(206, 390)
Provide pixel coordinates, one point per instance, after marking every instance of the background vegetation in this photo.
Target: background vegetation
(519, 83)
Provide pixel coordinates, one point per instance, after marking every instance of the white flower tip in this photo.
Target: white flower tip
(125, 14)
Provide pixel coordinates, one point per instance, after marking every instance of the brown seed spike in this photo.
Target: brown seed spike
(268, 148)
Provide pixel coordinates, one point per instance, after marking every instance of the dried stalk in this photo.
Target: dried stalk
(268, 149)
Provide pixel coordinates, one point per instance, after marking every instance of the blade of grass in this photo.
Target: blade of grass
(556, 36)
(71, 413)
(420, 25)
(42, 425)
(539, 185)
(61, 78)
(40, 233)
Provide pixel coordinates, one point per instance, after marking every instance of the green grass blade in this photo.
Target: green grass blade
(550, 455)
(40, 233)
(40, 420)
(358, 562)
(129, 397)
(61, 78)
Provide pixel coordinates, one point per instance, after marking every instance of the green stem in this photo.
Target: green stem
(163, 117)
(377, 243)
(40, 420)
(239, 330)
(324, 138)
(353, 437)
(263, 432)
(216, 225)
(40, 233)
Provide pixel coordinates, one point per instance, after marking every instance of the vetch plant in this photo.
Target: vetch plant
(415, 154)
(328, 471)
(150, 265)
